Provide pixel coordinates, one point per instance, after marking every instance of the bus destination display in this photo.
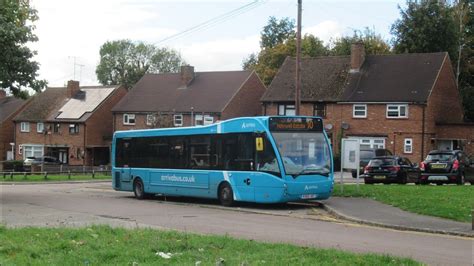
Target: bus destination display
(296, 124)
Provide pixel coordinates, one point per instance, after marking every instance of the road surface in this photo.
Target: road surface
(96, 203)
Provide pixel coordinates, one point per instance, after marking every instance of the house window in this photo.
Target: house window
(56, 128)
(359, 111)
(39, 127)
(32, 151)
(320, 110)
(25, 127)
(150, 119)
(178, 120)
(397, 110)
(370, 143)
(198, 120)
(208, 120)
(73, 129)
(408, 146)
(286, 109)
(129, 119)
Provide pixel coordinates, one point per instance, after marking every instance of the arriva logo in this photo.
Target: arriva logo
(310, 187)
(248, 125)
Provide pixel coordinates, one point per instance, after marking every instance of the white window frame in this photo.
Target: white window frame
(75, 129)
(354, 111)
(178, 120)
(150, 118)
(208, 120)
(40, 127)
(25, 127)
(284, 108)
(29, 150)
(198, 120)
(372, 142)
(396, 108)
(127, 118)
(408, 145)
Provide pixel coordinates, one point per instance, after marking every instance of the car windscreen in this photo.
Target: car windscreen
(382, 162)
(440, 157)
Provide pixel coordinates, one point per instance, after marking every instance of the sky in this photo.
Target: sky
(71, 32)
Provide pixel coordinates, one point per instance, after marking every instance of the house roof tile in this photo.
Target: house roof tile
(8, 106)
(207, 92)
(382, 78)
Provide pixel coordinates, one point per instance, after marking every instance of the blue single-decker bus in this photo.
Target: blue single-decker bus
(251, 159)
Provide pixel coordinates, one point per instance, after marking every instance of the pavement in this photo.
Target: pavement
(371, 212)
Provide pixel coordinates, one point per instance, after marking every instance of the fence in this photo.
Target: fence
(60, 175)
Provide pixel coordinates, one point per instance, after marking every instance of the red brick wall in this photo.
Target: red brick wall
(464, 132)
(376, 124)
(7, 129)
(100, 124)
(247, 100)
(140, 120)
(444, 103)
(63, 137)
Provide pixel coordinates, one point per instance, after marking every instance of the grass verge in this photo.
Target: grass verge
(102, 245)
(451, 202)
(40, 178)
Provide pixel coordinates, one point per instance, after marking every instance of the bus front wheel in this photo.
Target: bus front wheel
(226, 195)
(139, 189)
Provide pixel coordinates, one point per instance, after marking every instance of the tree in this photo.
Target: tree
(17, 69)
(277, 32)
(278, 40)
(124, 62)
(373, 43)
(465, 18)
(426, 26)
(437, 26)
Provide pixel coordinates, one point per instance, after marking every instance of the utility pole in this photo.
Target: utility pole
(298, 62)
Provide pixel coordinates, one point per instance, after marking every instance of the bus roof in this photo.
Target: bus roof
(240, 124)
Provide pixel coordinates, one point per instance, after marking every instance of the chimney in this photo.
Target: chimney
(357, 56)
(3, 94)
(187, 74)
(72, 88)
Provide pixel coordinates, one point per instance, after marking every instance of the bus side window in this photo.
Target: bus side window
(238, 152)
(178, 158)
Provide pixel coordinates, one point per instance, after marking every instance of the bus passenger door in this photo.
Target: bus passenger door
(123, 159)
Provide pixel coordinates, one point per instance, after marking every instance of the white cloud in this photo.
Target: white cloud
(68, 29)
(325, 30)
(220, 54)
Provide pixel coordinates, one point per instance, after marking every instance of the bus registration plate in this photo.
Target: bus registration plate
(309, 196)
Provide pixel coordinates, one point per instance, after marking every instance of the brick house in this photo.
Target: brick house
(189, 98)
(73, 124)
(407, 103)
(9, 107)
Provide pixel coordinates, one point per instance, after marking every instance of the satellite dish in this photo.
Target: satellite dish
(345, 125)
(328, 126)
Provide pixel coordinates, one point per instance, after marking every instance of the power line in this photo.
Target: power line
(211, 22)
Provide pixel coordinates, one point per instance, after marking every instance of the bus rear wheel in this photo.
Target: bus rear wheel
(139, 189)
(226, 195)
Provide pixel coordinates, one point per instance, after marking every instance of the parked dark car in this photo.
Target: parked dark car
(46, 160)
(446, 167)
(366, 155)
(391, 169)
